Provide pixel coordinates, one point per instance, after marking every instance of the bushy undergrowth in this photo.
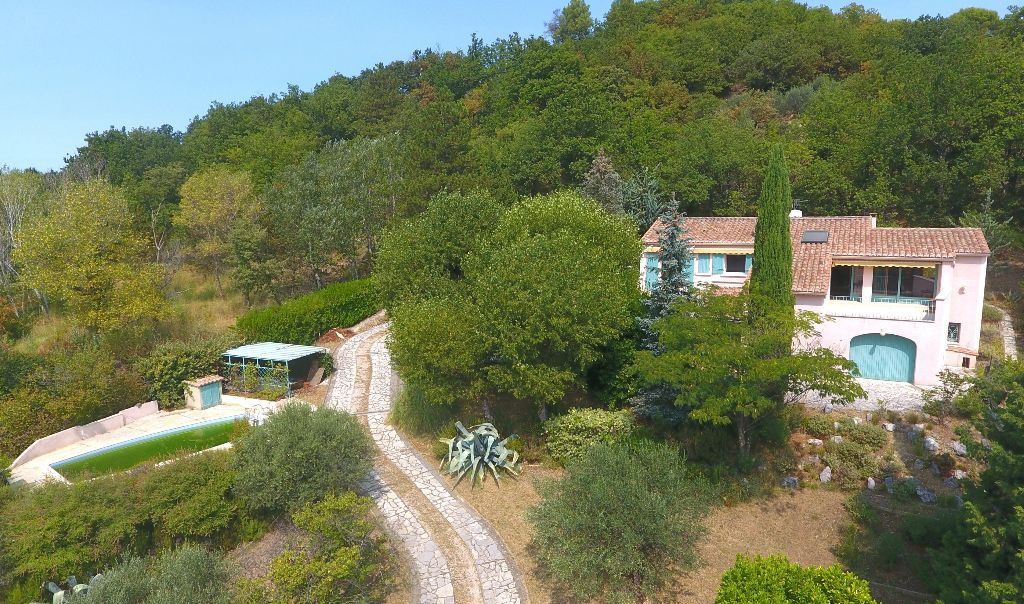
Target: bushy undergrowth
(415, 413)
(174, 362)
(622, 517)
(300, 454)
(342, 557)
(869, 435)
(64, 389)
(851, 462)
(819, 426)
(953, 397)
(56, 530)
(571, 434)
(302, 320)
(187, 574)
(775, 579)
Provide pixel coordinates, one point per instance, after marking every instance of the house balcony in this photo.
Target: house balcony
(895, 308)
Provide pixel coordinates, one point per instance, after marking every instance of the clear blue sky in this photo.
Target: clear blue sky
(76, 66)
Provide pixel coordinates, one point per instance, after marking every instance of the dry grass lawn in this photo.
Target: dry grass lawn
(804, 526)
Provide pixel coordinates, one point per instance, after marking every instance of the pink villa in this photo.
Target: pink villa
(902, 303)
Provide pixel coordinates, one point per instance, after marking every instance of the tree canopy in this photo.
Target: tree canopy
(517, 301)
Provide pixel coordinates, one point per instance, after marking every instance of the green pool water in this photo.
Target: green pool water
(155, 448)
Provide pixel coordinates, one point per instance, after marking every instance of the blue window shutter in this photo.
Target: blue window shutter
(749, 263)
(651, 271)
(703, 263)
(688, 270)
(717, 264)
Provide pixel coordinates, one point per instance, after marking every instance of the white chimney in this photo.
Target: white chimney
(796, 214)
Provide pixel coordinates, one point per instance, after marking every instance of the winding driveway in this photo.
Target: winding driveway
(456, 555)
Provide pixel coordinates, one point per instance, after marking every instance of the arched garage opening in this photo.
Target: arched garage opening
(884, 357)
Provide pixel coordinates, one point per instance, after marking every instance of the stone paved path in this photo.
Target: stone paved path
(497, 581)
(1009, 336)
(433, 576)
(491, 569)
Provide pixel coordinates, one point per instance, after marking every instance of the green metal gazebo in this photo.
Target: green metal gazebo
(269, 365)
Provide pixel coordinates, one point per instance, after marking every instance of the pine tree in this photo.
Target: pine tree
(771, 276)
(676, 275)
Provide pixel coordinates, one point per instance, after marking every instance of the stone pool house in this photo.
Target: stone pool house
(902, 303)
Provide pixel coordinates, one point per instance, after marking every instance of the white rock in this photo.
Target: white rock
(871, 483)
(891, 427)
(930, 444)
(837, 439)
(959, 474)
(857, 421)
(959, 448)
(826, 474)
(814, 442)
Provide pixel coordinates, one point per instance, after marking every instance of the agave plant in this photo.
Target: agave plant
(476, 451)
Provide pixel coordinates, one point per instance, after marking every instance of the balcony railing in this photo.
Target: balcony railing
(882, 307)
(901, 299)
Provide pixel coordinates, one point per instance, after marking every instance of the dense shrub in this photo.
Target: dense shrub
(302, 320)
(191, 500)
(89, 526)
(622, 517)
(871, 436)
(415, 413)
(343, 558)
(570, 435)
(56, 530)
(63, 390)
(298, 455)
(776, 579)
(851, 462)
(174, 362)
(187, 574)
(820, 426)
(951, 397)
(980, 560)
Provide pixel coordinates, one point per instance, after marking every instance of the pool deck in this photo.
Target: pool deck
(38, 469)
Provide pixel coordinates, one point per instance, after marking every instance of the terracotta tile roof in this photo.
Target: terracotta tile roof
(849, 237)
(209, 379)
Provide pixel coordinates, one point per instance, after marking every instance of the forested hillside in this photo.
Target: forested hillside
(915, 120)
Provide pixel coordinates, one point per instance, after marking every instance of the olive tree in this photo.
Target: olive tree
(298, 455)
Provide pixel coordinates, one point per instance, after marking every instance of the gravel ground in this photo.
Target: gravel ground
(896, 396)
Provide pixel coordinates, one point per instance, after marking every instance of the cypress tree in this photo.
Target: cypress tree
(771, 275)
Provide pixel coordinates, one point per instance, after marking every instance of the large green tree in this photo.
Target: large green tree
(525, 305)
(85, 253)
(214, 204)
(722, 362)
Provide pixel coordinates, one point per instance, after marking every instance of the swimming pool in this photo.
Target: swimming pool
(152, 447)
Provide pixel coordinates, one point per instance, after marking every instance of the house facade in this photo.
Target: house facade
(902, 303)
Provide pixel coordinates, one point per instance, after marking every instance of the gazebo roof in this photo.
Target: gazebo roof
(274, 351)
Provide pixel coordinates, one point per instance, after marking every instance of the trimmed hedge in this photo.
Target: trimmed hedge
(776, 579)
(302, 320)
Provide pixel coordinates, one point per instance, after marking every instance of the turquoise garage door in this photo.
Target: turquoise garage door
(885, 357)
